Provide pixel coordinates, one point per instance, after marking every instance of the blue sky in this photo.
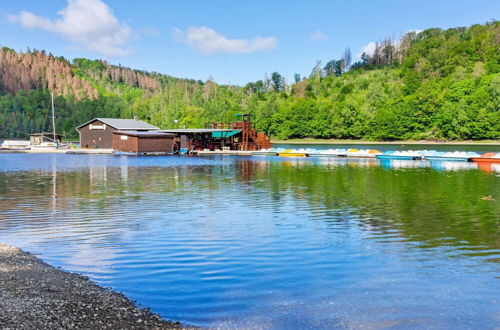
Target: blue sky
(232, 41)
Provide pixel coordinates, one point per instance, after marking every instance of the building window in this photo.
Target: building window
(97, 127)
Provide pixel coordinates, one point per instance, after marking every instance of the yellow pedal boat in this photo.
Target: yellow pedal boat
(292, 153)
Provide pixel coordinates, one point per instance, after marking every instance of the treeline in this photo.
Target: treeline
(38, 70)
(436, 84)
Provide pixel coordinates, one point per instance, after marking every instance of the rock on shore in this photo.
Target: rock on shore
(34, 295)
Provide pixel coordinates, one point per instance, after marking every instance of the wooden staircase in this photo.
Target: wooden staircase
(263, 141)
(250, 139)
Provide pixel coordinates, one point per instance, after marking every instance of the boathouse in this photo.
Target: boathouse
(98, 132)
(137, 142)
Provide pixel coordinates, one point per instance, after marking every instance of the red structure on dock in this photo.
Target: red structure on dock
(238, 135)
(250, 139)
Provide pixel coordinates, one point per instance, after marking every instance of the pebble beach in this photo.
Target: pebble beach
(35, 295)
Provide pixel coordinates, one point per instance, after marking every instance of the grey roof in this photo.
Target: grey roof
(123, 124)
(136, 133)
(197, 130)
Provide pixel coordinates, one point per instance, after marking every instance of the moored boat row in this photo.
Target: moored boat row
(431, 155)
(308, 152)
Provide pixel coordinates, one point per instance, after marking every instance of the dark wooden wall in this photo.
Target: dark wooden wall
(129, 145)
(96, 138)
(156, 144)
(143, 143)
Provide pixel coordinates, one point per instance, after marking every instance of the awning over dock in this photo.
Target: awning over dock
(224, 134)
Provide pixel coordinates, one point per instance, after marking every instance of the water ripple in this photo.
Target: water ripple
(266, 243)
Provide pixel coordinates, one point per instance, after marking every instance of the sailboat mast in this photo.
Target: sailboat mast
(53, 118)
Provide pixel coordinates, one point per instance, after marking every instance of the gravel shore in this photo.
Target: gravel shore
(35, 295)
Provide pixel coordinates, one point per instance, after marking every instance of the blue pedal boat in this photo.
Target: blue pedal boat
(401, 155)
(455, 156)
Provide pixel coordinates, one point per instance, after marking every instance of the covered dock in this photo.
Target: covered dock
(206, 138)
(233, 136)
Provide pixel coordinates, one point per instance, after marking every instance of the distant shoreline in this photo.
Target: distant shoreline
(327, 141)
(316, 141)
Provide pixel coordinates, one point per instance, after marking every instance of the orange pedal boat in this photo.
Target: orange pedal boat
(489, 157)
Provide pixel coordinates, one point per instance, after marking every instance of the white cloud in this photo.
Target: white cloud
(369, 48)
(208, 41)
(88, 24)
(318, 36)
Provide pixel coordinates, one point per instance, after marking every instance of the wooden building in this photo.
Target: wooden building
(44, 138)
(136, 142)
(98, 132)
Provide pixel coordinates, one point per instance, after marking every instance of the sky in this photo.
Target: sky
(233, 42)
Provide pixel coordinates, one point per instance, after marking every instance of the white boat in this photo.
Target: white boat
(15, 145)
(45, 146)
(329, 153)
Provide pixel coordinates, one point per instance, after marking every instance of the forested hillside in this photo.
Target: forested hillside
(437, 84)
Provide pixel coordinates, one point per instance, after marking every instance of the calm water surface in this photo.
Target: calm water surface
(266, 242)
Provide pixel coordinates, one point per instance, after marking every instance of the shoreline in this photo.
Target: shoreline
(35, 295)
(361, 142)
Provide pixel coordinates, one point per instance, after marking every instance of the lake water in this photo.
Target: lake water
(268, 242)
